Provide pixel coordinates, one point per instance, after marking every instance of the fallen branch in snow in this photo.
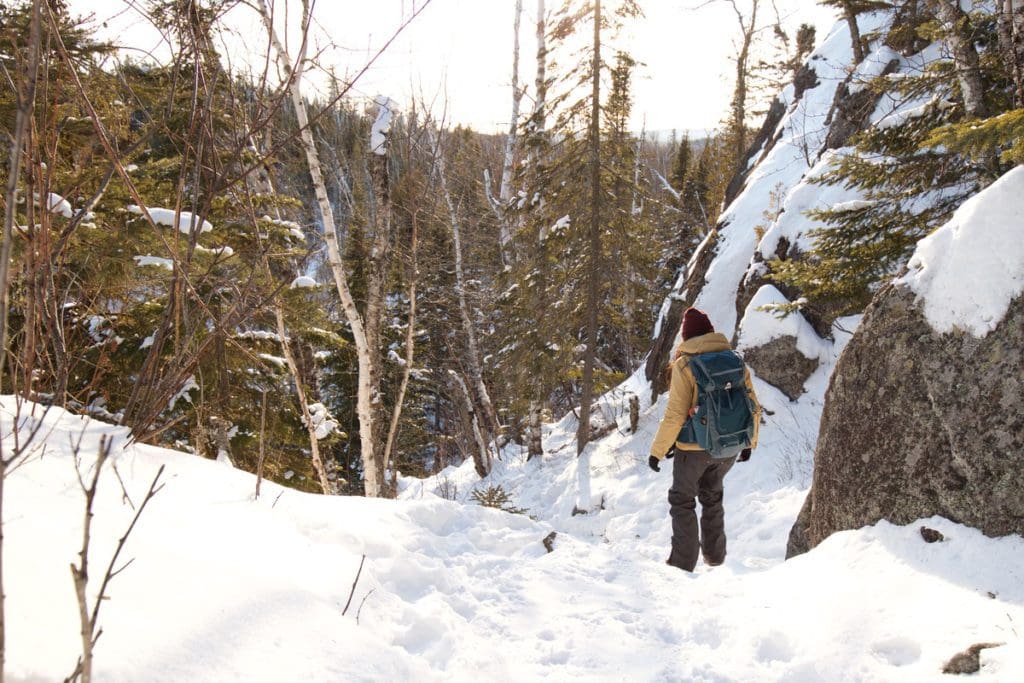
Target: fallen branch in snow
(354, 584)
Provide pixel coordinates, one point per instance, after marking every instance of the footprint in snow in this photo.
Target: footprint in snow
(706, 633)
(897, 651)
(775, 647)
(557, 658)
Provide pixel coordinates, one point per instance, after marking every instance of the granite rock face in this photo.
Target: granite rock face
(781, 364)
(918, 423)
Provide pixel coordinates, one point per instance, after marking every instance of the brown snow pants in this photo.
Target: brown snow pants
(695, 474)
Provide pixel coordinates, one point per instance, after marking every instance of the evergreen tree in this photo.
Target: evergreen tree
(557, 208)
(913, 174)
(681, 166)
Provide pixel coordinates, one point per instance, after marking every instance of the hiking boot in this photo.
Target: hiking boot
(711, 563)
(669, 563)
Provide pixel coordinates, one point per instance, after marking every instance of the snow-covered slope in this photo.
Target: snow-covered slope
(779, 190)
(227, 588)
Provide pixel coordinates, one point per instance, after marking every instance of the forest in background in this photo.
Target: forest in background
(329, 291)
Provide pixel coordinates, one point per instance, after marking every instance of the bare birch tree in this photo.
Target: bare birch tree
(264, 182)
(536, 129)
(366, 326)
(501, 204)
(367, 397)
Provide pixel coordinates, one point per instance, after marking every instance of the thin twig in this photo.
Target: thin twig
(153, 490)
(363, 602)
(354, 583)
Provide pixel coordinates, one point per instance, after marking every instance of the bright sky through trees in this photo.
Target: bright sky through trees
(459, 51)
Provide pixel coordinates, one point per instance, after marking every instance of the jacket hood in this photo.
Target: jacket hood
(705, 343)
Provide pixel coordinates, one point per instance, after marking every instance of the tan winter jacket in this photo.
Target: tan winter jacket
(682, 395)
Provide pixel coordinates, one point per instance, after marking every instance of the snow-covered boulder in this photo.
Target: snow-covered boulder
(925, 411)
(783, 350)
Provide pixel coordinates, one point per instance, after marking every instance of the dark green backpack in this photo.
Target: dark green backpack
(724, 422)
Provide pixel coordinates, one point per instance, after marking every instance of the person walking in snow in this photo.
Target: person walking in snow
(697, 473)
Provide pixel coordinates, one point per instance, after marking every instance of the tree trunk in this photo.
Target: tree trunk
(538, 118)
(593, 273)
(263, 443)
(481, 456)
(376, 289)
(739, 98)
(855, 39)
(535, 442)
(505, 189)
(965, 55)
(265, 184)
(368, 371)
(1011, 41)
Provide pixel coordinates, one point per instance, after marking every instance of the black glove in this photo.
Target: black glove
(744, 455)
(653, 463)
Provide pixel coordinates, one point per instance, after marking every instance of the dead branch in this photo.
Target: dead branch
(354, 584)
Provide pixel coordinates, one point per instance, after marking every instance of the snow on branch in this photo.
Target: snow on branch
(184, 222)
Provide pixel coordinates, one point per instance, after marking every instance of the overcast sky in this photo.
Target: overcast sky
(460, 51)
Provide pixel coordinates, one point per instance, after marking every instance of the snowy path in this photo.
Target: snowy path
(225, 588)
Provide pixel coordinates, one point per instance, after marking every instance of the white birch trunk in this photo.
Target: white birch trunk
(377, 277)
(535, 442)
(539, 83)
(364, 406)
(965, 56)
(505, 189)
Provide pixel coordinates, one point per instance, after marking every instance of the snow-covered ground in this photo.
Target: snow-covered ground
(225, 587)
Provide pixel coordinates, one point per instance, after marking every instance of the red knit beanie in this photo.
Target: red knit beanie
(695, 323)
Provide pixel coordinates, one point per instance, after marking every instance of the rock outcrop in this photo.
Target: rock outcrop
(781, 364)
(783, 351)
(924, 414)
(920, 423)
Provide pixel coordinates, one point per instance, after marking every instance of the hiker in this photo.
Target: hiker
(696, 472)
